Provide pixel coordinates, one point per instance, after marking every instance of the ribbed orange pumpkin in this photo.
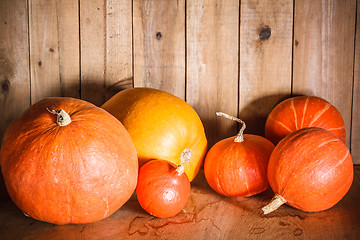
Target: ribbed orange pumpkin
(300, 112)
(162, 126)
(163, 188)
(67, 161)
(237, 166)
(310, 169)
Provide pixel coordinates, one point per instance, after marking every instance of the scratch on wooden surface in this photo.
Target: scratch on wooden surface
(297, 216)
(142, 225)
(211, 221)
(282, 223)
(134, 226)
(257, 230)
(298, 232)
(82, 229)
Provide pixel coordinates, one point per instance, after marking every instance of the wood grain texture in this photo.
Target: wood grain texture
(265, 59)
(69, 55)
(324, 52)
(159, 45)
(207, 215)
(106, 49)
(119, 56)
(44, 49)
(14, 61)
(355, 126)
(212, 32)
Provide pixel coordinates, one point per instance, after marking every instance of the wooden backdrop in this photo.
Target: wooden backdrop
(238, 56)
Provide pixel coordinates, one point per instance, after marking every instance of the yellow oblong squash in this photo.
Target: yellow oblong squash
(162, 126)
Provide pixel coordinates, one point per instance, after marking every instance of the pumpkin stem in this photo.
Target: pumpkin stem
(275, 203)
(240, 136)
(63, 118)
(180, 169)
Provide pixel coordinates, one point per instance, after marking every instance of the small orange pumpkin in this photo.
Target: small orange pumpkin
(163, 188)
(301, 112)
(162, 126)
(237, 166)
(310, 169)
(67, 161)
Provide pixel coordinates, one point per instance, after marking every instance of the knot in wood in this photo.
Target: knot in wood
(5, 85)
(265, 33)
(158, 35)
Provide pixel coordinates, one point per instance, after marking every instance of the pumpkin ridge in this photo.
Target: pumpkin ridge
(304, 112)
(327, 142)
(337, 128)
(220, 183)
(294, 111)
(280, 123)
(318, 115)
(291, 141)
(338, 164)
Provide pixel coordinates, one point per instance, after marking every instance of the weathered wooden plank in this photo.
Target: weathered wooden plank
(355, 127)
(324, 52)
(14, 61)
(212, 35)
(54, 48)
(119, 68)
(106, 48)
(265, 59)
(44, 49)
(69, 55)
(159, 45)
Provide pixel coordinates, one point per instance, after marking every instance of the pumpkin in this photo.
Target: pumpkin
(163, 188)
(67, 161)
(237, 166)
(162, 126)
(310, 169)
(300, 112)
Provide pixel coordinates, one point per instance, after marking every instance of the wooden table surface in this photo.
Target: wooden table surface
(207, 215)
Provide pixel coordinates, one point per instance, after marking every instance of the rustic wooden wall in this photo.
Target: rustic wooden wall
(237, 56)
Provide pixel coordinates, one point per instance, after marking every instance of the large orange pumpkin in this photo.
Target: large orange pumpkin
(310, 169)
(300, 112)
(237, 166)
(67, 161)
(162, 126)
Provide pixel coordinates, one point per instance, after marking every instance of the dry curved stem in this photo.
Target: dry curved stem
(63, 118)
(275, 203)
(240, 136)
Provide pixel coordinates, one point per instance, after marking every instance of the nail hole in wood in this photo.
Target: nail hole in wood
(51, 50)
(296, 42)
(265, 33)
(158, 35)
(39, 63)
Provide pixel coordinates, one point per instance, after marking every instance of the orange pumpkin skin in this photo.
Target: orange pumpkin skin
(161, 190)
(300, 112)
(238, 169)
(161, 125)
(78, 173)
(311, 169)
